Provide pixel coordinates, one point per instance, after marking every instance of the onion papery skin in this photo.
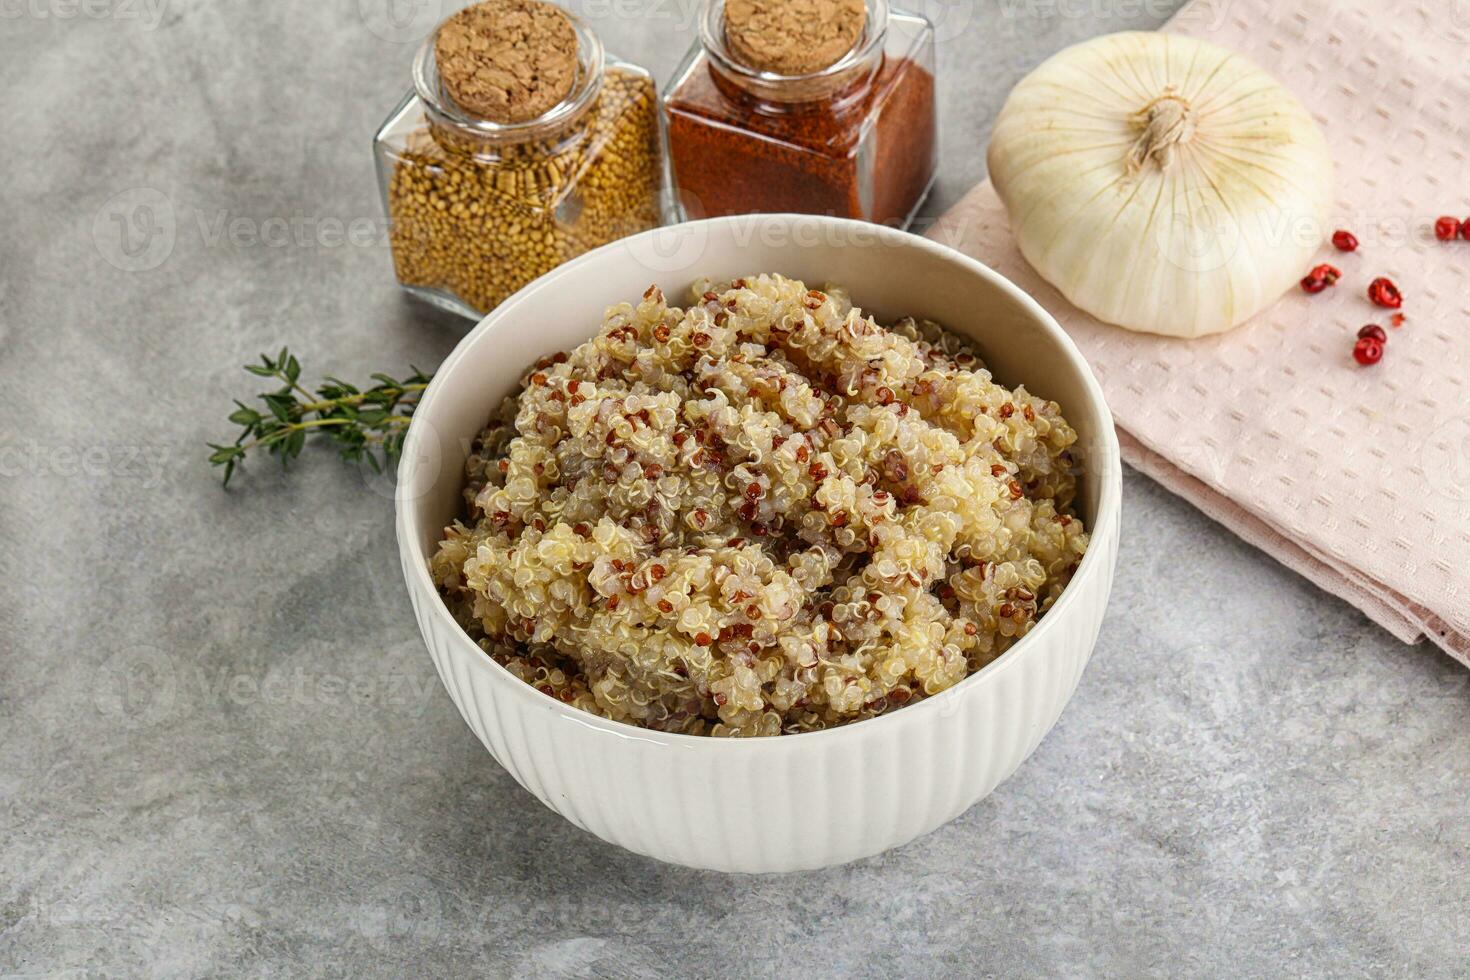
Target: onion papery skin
(1216, 223)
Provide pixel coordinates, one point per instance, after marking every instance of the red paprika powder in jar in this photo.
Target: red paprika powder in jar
(807, 106)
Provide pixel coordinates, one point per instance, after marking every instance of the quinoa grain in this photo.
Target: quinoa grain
(728, 583)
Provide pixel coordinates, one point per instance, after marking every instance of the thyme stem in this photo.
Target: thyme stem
(366, 425)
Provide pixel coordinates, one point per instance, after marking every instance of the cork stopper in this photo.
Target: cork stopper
(793, 37)
(508, 61)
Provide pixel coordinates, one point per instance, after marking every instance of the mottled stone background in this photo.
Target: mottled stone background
(224, 751)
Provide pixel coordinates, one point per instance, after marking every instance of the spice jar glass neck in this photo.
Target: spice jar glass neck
(445, 113)
(848, 75)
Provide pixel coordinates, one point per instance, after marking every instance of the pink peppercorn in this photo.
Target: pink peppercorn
(1345, 241)
(1384, 293)
(1375, 331)
(1446, 228)
(1368, 350)
(1320, 278)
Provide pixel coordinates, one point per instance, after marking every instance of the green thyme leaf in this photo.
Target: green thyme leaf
(367, 426)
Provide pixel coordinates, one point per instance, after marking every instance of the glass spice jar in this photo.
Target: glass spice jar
(856, 138)
(478, 208)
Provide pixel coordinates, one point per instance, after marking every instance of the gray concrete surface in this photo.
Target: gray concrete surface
(223, 750)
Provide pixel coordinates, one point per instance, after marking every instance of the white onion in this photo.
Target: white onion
(1162, 183)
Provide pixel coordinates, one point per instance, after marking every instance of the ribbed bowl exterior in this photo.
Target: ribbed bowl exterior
(788, 803)
(795, 801)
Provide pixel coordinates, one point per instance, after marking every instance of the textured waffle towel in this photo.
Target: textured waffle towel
(1358, 478)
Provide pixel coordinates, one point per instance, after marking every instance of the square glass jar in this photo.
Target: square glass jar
(477, 209)
(857, 139)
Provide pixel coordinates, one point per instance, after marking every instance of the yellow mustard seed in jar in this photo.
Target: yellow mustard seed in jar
(479, 207)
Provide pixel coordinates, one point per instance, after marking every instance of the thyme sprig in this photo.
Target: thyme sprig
(365, 424)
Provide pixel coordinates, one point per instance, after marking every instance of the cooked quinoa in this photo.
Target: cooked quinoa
(760, 513)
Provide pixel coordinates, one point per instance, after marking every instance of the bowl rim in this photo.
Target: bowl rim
(1107, 469)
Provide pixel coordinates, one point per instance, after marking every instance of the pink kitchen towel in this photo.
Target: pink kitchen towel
(1358, 478)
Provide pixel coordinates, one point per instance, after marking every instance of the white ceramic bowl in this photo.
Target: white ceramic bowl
(794, 801)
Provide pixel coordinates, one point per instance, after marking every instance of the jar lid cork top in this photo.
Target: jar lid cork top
(793, 37)
(508, 61)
